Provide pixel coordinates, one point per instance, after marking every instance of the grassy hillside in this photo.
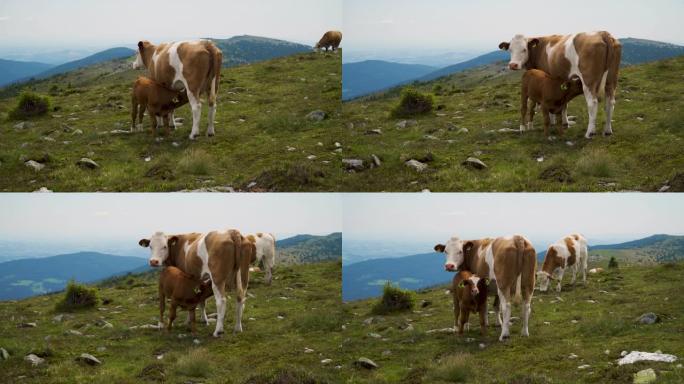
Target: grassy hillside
(595, 323)
(13, 70)
(245, 49)
(306, 297)
(99, 57)
(263, 135)
(309, 248)
(643, 154)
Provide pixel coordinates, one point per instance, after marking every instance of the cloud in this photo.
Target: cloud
(4, 18)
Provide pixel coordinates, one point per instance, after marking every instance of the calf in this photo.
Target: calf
(159, 101)
(568, 252)
(553, 94)
(470, 295)
(181, 288)
(330, 39)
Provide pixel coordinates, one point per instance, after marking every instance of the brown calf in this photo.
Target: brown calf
(181, 289)
(159, 101)
(553, 94)
(470, 295)
(330, 39)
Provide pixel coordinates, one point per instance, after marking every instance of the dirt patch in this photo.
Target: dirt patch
(559, 173)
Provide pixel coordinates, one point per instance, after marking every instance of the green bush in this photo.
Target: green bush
(30, 104)
(77, 296)
(394, 299)
(413, 103)
(612, 263)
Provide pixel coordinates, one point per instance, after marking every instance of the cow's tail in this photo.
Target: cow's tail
(613, 57)
(215, 61)
(520, 245)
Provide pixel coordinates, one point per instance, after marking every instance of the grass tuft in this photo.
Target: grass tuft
(194, 162)
(29, 105)
(413, 102)
(394, 299)
(77, 296)
(196, 363)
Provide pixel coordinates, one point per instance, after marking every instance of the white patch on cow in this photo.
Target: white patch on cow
(196, 107)
(474, 279)
(454, 253)
(518, 49)
(589, 95)
(159, 249)
(179, 82)
(489, 258)
(138, 63)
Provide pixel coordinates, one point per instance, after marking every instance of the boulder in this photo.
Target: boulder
(645, 376)
(406, 123)
(416, 165)
(89, 359)
(353, 164)
(376, 160)
(34, 360)
(36, 166)
(648, 318)
(87, 163)
(317, 115)
(27, 325)
(474, 162)
(364, 362)
(4, 355)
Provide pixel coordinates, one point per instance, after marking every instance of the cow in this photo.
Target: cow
(265, 253)
(330, 39)
(568, 252)
(507, 261)
(191, 65)
(222, 256)
(592, 56)
(184, 291)
(159, 102)
(470, 295)
(553, 94)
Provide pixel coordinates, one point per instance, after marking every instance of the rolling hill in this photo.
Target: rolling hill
(372, 75)
(13, 70)
(366, 279)
(309, 249)
(96, 58)
(246, 49)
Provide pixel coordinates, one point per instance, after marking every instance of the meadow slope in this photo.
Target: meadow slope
(644, 154)
(263, 135)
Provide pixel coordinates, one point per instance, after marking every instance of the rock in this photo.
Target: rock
(406, 123)
(639, 118)
(442, 330)
(623, 353)
(572, 356)
(482, 345)
(338, 145)
(74, 332)
(540, 159)
(58, 318)
(196, 341)
(368, 321)
(326, 361)
(375, 335)
(179, 120)
(251, 185)
(585, 366)
(101, 349)
(462, 130)
(425, 303)
(475, 163)
(417, 165)
(430, 137)
(509, 130)
(648, 318)
(311, 157)
(4, 355)
(308, 350)
(107, 325)
(374, 132)
(574, 321)
(353, 164)
(36, 166)
(376, 160)
(317, 115)
(408, 328)
(34, 360)
(664, 188)
(42, 190)
(569, 143)
(24, 125)
(364, 362)
(635, 356)
(645, 376)
(89, 359)
(27, 325)
(87, 163)
(596, 270)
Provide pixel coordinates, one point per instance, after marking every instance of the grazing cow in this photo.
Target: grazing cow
(191, 65)
(568, 252)
(223, 256)
(553, 94)
(265, 253)
(159, 102)
(329, 39)
(181, 288)
(470, 295)
(594, 57)
(509, 261)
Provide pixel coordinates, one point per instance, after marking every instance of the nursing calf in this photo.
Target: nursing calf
(568, 252)
(470, 295)
(553, 94)
(160, 102)
(184, 291)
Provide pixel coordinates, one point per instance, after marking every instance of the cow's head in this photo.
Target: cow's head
(143, 46)
(159, 245)
(519, 47)
(455, 250)
(543, 279)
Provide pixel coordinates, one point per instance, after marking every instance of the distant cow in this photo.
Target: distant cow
(223, 256)
(181, 289)
(594, 57)
(568, 252)
(265, 253)
(159, 102)
(330, 39)
(470, 295)
(509, 261)
(191, 65)
(553, 94)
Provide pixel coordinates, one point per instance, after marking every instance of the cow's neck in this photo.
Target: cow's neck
(475, 263)
(147, 55)
(537, 58)
(182, 260)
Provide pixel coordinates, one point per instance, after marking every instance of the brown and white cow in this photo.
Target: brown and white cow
(330, 39)
(568, 252)
(191, 65)
(592, 56)
(507, 261)
(221, 256)
(265, 253)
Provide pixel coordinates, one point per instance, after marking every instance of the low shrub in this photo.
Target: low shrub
(30, 104)
(413, 103)
(394, 299)
(77, 296)
(612, 263)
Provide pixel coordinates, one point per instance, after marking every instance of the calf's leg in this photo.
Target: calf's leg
(547, 121)
(162, 304)
(172, 315)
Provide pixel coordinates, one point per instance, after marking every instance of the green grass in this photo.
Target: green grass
(307, 297)
(608, 324)
(641, 155)
(261, 113)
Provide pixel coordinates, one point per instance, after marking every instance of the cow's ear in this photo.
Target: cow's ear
(504, 46)
(440, 248)
(467, 246)
(532, 42)
(172, 240)
(144, 243)
(141, 45)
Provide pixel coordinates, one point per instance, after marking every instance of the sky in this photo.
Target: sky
(431, 26)
(105, 23)
(432, 218)
(78, 217)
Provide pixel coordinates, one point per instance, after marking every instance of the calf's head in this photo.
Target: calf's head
(159, 245)
(519, 47)
(571, 87)
(455, 250)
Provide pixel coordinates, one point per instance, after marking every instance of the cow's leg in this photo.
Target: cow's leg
(483, 320)
(196, 106)
(134, 113)
(504, 297)
(162, 304)
(610, 106)
(219, 288)
(466, 319)
(141, 115)
(497, 310)
(203, 310)
(173, 120)
(242, 278)
(461, 320)
(523, 110)
(560, 279)
(526, 309)
(191, 314)
(574, 273)
(457, 312)
(592, 108)
(268, 264)
(546, 115)
(530, 122)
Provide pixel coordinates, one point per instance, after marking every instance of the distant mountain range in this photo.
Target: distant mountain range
(34, 276)
(237, 50)
(366, 77)
(366, 279)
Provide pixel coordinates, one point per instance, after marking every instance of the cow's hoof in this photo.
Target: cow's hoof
(525, 334)
(237, 330)
(218, 333)
(192, 137)
(504, 337)
(607, 133)
(210, 134)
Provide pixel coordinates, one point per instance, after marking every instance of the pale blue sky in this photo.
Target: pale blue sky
(434, 217)
(104, 23)
(74, 217)
(452, 25)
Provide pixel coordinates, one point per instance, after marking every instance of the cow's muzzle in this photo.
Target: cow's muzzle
(154, 263)
(514, 66)
(450, 267)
